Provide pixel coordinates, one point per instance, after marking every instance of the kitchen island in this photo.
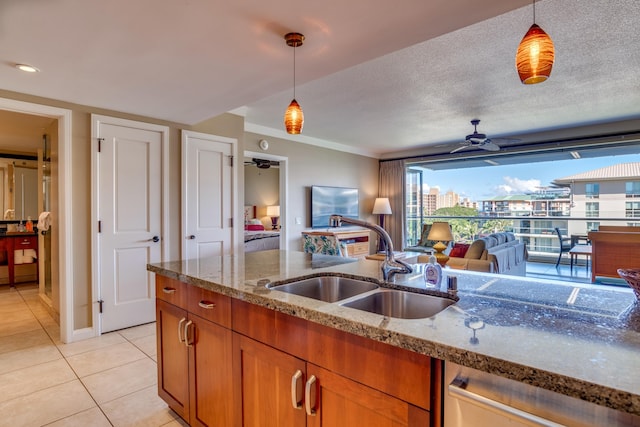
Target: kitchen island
(577, 340)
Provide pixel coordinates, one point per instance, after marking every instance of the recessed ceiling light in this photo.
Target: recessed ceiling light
(27, 68)
(574, 154)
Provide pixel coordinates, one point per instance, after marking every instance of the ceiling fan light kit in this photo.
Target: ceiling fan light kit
(294, 117)
(535, 55)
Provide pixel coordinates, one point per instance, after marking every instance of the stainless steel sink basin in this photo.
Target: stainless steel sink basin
(400, 304)
(326, 288)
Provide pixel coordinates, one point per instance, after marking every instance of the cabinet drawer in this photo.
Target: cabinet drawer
(357, 249)
(27, 242)
(210, 305)
(171, 291)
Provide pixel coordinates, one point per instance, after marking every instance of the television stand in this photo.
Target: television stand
(356, 241)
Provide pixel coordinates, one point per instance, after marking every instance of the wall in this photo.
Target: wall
(308, 165)
(311, 165)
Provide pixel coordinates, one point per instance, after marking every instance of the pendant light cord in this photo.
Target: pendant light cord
(294, 71)
(534, 16)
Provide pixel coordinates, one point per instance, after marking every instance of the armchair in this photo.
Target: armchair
(328, 245)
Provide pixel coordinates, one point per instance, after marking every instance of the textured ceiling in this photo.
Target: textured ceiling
(382, 79)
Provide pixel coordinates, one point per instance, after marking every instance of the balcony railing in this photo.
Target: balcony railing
(537, 232)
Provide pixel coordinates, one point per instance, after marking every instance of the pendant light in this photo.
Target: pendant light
(293, 117)
(535, 55)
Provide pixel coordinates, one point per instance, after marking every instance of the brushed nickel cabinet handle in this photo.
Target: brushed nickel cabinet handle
(181, 330)
(187, 338)
(168, 290)
(207, 304)
(311, 410)
(296, 390)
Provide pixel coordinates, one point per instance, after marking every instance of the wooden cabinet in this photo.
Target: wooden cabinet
(194, 352)
(227, 362)
(354, 381)
(265, 378)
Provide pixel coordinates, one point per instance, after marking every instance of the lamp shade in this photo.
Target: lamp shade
(294, 118)
(273, 210)
(535, 56)
(381, 206)
(440, 232)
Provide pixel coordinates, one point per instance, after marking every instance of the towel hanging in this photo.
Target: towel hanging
(44, 221)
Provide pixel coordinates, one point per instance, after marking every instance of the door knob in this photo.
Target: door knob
(191, 237)
(155, 239)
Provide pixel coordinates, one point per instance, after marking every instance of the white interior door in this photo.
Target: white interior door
(129, 206)
(207, 191)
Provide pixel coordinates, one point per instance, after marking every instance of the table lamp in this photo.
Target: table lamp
(381, 207)
(440, 232)
(274, 213)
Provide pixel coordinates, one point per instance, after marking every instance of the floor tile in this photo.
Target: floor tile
(143, 408)
(52, 404)
(31, 356)
(24, 340)
(122, 380)
(21, 382)
(141, 331)
(91, 344)
(105, 358)
(91, 417)
(19, 326)
(148, 345)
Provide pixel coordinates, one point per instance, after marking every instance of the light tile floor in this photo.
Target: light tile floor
(104, 381)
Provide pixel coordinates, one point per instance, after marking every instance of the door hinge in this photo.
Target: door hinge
(231, 161)
(99, 226)
(100, 144)
(231, 222)
(100, 302)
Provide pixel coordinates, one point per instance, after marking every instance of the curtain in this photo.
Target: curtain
(391, 185)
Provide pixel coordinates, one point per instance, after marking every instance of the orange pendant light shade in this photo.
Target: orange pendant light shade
(294, 118)
(535, 56)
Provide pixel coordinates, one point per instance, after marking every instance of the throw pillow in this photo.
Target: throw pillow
(459, 250)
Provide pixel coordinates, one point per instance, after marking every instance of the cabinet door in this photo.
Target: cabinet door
(341, 402)
(210, 377)
(264, 385)
(173, 358)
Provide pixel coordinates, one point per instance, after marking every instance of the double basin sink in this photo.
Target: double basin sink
(367, 296)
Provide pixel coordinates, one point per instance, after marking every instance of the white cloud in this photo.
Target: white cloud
(517, 186)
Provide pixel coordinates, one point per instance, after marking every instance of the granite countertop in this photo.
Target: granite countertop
(578, 340)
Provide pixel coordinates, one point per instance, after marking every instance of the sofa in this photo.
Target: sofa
(496, 253)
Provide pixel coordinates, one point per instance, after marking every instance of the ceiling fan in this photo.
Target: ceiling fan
(262, 163)
(480, 140)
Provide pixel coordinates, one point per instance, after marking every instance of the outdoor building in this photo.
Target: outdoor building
(603, 197)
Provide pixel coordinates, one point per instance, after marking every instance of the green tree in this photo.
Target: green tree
(463, 230)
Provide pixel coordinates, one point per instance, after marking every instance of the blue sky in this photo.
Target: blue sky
(491, 181)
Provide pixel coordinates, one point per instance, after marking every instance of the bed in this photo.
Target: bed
(256, 238)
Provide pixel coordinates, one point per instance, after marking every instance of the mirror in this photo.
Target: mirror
(19, 189)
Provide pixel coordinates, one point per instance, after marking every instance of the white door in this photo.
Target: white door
(207, 192)
(129, 216)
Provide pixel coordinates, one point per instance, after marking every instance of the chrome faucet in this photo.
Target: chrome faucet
(390, 265)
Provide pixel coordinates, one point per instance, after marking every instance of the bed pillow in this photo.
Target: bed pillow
(254, 227)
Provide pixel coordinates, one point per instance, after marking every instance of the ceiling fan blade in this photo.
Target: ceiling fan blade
(490, 146)
(462, 147)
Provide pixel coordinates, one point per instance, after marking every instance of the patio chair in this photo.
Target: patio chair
(565, 245)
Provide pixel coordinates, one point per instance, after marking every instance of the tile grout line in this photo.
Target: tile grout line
(77, 377)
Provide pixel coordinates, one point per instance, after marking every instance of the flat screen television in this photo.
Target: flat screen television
(327, 201)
